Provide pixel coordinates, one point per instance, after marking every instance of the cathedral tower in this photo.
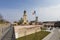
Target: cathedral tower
(25, 21)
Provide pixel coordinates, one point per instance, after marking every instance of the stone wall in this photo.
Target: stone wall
(21, 31)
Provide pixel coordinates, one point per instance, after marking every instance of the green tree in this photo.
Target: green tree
(1, 21)
(20, 21)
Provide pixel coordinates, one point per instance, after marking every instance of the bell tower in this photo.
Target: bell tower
(25, 18)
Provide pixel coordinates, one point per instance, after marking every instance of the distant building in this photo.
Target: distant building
(15, 23)
(36, 21)
(57, 24)
(33, 23)
(51, 24)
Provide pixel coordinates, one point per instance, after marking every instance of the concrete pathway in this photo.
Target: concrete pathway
(54, 35)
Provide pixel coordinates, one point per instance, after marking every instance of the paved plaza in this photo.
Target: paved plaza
(54, 35)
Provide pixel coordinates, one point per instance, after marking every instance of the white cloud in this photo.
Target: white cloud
(50, 13)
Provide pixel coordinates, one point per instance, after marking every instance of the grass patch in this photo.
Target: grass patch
(36, 36)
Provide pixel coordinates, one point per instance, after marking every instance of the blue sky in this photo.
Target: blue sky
(46, 10)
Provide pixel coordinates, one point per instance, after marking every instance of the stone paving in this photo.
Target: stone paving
(54, 35)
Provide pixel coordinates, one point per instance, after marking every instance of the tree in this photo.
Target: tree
(1, 19)
(20, 21)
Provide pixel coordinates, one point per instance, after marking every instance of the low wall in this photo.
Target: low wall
(21, 31)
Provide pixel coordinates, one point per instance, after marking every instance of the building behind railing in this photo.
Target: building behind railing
(7, 32)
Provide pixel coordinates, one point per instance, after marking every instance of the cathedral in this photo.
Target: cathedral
(25, 21)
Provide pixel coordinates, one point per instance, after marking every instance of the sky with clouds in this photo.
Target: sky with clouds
(46, 10)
